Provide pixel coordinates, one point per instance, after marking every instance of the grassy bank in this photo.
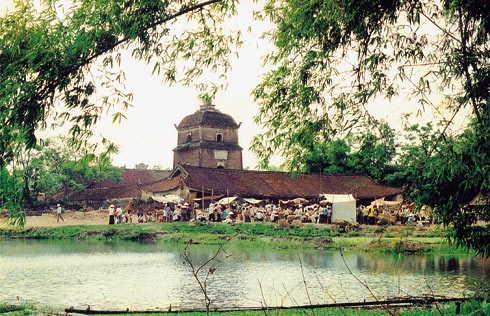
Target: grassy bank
(397, 239)
(442, 309)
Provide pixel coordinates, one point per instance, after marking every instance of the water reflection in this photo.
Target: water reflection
(120, 275)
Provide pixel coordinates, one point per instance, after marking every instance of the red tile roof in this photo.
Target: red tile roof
(163, 185)
(131, 185)
(102, 194)
(132, 176)
(280, 184)
(245, 183)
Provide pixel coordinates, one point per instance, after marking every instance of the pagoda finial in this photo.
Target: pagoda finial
(206, 103)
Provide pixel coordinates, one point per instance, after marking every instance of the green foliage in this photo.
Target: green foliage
(16, 309)
(334, 58)
(368, 153)
(53, 53)
(455, 172)
(60, 62)
(36, 174)
(475, 307)
(62, 164)
(11, 196)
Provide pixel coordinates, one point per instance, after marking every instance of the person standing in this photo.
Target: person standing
(170, 214)
(59, 210)
(371, 217)
(111, 214)
(129, 219)
(328, 215)
(119, 215)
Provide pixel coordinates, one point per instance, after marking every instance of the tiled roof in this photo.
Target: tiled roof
(131, 185)
(208, 118)
(132, 176)
(280, 184)
(102, 194)
(245, 183)
(163, 185)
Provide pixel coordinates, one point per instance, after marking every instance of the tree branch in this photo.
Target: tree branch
(439, 27)
(165, 20)
(466, 64)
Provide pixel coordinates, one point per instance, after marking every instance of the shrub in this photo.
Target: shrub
(296, 223)
(283, 223)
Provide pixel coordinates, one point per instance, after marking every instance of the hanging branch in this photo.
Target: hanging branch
(196, 270)
(365, 285)
(304, 282)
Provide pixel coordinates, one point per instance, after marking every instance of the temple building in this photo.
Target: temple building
(208, 165)
(208, 138)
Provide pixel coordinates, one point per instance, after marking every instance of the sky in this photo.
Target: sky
(148, 135)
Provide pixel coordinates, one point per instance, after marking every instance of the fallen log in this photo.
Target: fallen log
(399, 303)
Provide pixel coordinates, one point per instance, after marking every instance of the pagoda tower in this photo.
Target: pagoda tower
(208, 138)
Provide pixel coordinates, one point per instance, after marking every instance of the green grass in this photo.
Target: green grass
(448, 309)
(254, 235)
(21, 309)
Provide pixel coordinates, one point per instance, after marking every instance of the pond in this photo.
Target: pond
(120, 275)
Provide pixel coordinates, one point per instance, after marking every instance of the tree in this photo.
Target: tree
(11, 196)
(62, 61)
(55, 164)
(333, 58)
(457, 169)
(329, 157)
(56, 54)
(61, 164)
(376, 155)
(141, 166)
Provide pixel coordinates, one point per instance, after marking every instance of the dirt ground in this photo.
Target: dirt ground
(70, 218)
(101, 217)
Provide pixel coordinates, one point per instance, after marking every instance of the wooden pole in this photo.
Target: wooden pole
(202, 200)
(228, 200)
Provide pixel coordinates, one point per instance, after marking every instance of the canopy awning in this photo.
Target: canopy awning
(337, 198)
(227, 200)
(382, 202)
(252, 200)
(295, 201)
(167, 198)
(480, 199)
(209, 198)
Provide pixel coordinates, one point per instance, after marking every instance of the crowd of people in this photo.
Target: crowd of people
(169, 213)
(231, 213)
(374, 214)
(244, 213)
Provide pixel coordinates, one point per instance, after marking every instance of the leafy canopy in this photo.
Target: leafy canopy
(333, 58)
(60, 62)
(68, 55)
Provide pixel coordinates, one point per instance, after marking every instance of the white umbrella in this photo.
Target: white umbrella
(173, 198)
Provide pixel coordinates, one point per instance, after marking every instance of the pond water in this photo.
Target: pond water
(120, 275)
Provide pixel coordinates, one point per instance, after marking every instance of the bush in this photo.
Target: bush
(283, 223)
(296, 223)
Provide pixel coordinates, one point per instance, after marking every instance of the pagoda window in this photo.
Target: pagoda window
(219, 138)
